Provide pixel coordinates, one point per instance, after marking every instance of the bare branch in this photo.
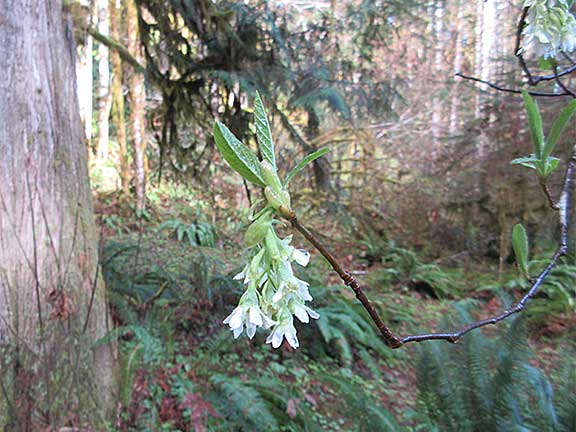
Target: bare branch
(393, 340)
(510, 90)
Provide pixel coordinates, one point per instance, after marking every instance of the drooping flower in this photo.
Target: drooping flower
(284, 329)
(248, 314)
(274, 295)
(301, 311)
(550, 29)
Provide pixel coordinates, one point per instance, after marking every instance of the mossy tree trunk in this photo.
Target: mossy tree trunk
(137, 92)
(52, 298)
(118, 110)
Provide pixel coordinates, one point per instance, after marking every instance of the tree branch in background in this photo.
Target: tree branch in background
(393, 340)
(118, 47)
(510, 90)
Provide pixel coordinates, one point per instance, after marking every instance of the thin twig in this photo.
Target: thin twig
(561, 84)
(510, 90)
(518, 50)
(394, 341)
(391, 339)
(553, 205)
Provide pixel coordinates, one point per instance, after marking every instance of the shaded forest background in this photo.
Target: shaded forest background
(417, 197)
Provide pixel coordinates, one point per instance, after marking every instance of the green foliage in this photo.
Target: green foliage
(345, 328)
(520, 244)
(540, 160)
(245, 163)
(367, 414)
(485, 384)
(535, 123)
(402, 266)
(263, 132)
(265, 404)
(556, 295)
(238, 156)
(304, 162)
(198, 234)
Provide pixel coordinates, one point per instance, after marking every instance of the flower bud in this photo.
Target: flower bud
(271, 243)
(276, 200)
(270, 176)
(257, 231)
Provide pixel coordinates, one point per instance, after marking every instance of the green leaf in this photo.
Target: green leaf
(520, 244)
(528, 161)
(263, 132)
(557, 128)
(308, 159)
(238, 156)
(535, 123)
(551, 165)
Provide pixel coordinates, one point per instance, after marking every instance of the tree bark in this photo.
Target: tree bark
(104, 95)
(52, 298)
(118, 99)
(84, 71)
(137, 102)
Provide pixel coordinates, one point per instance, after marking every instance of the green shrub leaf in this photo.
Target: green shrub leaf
(557, 128)
(527, 161)
(520, 244)
(263, 132)
(238, 156)
(535, 123)
(308, 159)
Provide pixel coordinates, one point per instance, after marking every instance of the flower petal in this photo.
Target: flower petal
(250, 330)
(301, 313)
(255, 317)
(301, 256)
(238, 331)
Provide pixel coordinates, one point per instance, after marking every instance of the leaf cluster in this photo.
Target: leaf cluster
(541, 159)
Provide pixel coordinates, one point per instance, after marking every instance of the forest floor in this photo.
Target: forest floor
(182, 370)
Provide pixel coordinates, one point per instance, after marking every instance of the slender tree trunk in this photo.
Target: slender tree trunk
(104, 94)
(437, 120)
(84, 72)
(52, 298)
(321, 166)
(137, 103)
(457, 67)
(118, 99)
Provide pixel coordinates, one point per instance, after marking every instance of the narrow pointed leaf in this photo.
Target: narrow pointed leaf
(535, 123)
(238, 156)
(524, 160)
(308, 159)
(520, 244)
(263, 132)
(558, 127)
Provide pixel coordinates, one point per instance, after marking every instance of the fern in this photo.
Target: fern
(485, 384)
(344, 326)
(242, 405)
(197, 234)
(368, 415)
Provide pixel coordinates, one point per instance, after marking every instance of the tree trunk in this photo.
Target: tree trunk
(104, 95)
(137, 102)
(321, 166)
(52, 298)
(118, 99)
(84, 71)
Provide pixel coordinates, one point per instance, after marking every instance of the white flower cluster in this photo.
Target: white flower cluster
(273, 294)
(550, 29)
